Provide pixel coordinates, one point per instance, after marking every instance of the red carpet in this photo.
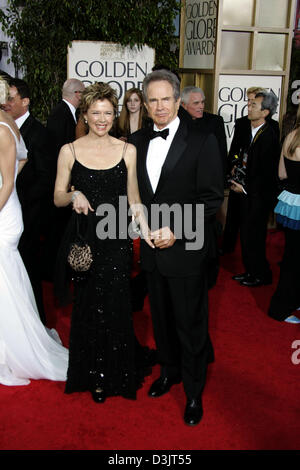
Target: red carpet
(251, 400)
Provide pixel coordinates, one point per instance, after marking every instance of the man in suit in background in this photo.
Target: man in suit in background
(257, 189)
(34, 183)
(180, 167)
(192, 109)
(61, 125)
(241, 139)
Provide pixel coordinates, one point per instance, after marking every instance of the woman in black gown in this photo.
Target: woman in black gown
(286, 298)
(103, 171)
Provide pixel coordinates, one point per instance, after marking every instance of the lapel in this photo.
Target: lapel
(143, 150)
(251, 151)
(175, 152)
(24, 129)
(257, 137)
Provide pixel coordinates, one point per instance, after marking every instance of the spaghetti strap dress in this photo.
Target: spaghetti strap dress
(102, 340)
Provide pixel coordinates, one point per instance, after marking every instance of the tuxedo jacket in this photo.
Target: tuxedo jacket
(34, 183)
(242, 136)
(210, 124)
(191, 174)
(262, 167)
(61, 127)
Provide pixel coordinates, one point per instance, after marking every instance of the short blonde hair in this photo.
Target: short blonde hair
(255, 90)
(98, 91)
(4, 90)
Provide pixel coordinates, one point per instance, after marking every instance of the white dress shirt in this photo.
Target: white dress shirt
(20, 121)
(157, 152)
(72, 109)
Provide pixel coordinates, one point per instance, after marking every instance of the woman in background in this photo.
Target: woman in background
(133, 115)
(286, 299)
(27, 349)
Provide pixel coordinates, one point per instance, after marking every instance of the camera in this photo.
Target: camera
(239, 174)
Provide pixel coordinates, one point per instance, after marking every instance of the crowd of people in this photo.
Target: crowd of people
(162, 150)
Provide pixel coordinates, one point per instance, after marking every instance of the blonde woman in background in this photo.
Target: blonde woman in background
(27, 349)
(286, 299)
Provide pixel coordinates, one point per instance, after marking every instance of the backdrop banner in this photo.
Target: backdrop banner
(122, 67)
(199, 34)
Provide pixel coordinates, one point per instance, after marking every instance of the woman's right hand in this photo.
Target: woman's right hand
(80, 203)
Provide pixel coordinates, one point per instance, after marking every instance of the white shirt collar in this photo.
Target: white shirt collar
(20, 121)
(72, 109)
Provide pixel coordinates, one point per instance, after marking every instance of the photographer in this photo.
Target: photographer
(254, 184)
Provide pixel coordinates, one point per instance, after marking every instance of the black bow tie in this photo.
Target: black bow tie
(164, 134)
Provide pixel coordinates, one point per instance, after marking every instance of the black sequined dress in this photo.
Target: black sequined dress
(102, 340)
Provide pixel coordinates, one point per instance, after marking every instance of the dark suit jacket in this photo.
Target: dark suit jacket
(61, 127)
(188, 176)
(34, 183)
(262, 167)
(242, 136)
(209, 124)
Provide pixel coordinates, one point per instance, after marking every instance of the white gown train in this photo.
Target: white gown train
(28, 350)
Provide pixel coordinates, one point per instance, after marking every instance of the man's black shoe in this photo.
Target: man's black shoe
(240, 277)
(193, 412)
(255, 282)
(162, 385)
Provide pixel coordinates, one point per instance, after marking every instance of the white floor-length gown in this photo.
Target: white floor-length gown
(28, 350)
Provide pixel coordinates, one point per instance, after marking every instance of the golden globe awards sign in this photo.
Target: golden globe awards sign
(122, 67)
(200, 26)
(232, 98)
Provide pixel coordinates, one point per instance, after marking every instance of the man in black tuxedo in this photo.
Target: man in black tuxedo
(34, 183)
(174, 169)
(61, 125)
(256, 188)
(192, 110)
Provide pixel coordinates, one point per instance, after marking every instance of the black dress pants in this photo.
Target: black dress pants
(232, 224)
(179, 308)
(254, 217)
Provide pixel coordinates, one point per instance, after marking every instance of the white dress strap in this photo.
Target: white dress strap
(21, 153)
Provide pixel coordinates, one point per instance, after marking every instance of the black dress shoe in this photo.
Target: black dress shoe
(193, 412)
(252, 281)
(240, 277)
(98, 395)
(162, 385)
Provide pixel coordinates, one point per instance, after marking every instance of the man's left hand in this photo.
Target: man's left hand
(237, 187)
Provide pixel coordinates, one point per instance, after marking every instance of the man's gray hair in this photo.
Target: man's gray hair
(160, 75)
(70, 86)
(185, 94)
(269, 102)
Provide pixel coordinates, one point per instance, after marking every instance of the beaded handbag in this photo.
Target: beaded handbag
(80, 256)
